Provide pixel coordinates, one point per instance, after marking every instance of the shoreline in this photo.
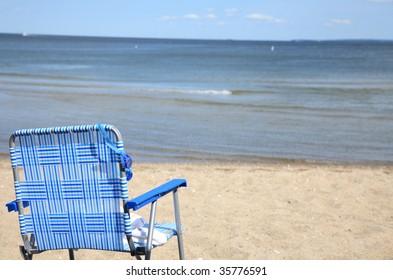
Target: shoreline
(265, 161)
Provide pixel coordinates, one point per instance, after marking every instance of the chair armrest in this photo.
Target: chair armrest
(155, 194)
(13, 205)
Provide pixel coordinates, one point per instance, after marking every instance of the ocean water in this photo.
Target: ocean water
(204, 100)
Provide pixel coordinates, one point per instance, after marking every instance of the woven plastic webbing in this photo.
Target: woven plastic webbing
(72, 182)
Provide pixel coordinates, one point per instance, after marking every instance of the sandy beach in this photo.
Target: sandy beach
(270, 211)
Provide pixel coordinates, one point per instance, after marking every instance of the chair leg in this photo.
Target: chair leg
(29, 244)
(152, 218)
(178, 225)
(71, 253)
(133, 250)
(25, 255)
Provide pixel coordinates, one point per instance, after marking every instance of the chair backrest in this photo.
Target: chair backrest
(74, 185)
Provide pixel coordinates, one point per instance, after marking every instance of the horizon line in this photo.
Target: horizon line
(27, 34)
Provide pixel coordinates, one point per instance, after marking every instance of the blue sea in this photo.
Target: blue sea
(205, 100)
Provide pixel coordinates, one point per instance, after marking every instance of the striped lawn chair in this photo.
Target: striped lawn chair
(71, 192)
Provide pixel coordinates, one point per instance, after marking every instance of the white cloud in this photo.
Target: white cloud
(263, 17)
(164, 18)
(279, 20)
(192, 16)
(335, 22)
(211, 16)
(231, 11)
(257, 16)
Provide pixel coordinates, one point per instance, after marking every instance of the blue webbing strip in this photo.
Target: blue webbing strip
(125, 159)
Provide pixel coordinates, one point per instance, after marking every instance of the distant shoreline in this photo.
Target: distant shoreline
(27, 35)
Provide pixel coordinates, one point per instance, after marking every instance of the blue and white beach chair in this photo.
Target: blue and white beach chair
(71, 192)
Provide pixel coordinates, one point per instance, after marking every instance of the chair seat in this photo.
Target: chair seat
(167, 231)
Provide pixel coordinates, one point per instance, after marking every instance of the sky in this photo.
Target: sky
(202, 19)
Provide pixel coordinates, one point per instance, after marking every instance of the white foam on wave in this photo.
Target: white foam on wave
(207, 92)
(61, 66)
(181, 90)
(190, 91)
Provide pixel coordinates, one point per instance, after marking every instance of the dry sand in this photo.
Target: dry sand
(255, 211)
